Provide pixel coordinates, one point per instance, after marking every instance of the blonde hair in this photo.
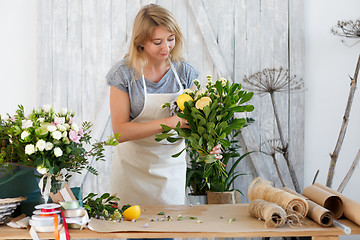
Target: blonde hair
(148, 18)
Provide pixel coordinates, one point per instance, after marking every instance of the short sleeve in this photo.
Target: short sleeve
(118, 77)
(190, 73)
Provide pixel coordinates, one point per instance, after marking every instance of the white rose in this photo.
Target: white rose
(48, 146)
(4, 117)
(29, 149)
(41, 145)
(47, 107)
(56, 135)
(26, 124)
(58, 152)
(63, 111)
(61, 127)
(75, 127)
(42, 169)
(67, 126)
(59, 120)
(25, 134)
(51, 128)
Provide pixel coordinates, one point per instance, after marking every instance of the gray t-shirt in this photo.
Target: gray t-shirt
(123, 77)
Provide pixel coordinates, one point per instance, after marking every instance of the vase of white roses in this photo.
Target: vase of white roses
(50, 142)
(210, 113)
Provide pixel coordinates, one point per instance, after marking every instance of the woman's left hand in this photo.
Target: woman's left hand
(217, 151)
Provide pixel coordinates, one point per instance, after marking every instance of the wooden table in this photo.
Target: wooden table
(212, 222)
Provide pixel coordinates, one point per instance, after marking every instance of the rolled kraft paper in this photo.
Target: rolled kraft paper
(351, 207)
(292, 204)
(326, 199)
(321, 215)
(271, 213)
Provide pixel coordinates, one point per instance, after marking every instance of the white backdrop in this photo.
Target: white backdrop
(328, 65)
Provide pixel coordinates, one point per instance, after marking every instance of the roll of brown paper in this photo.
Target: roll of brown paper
(271, 213)
(321, 215)
(292, 204)
(351, 207)
(325, 199)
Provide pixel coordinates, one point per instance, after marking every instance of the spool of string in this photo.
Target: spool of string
(271, 213)
(295, 207)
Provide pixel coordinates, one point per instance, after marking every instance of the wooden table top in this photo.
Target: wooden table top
(212, 221)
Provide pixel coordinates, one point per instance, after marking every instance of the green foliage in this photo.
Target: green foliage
(48, 141)
(104, 207)
(210, 125)
(219, 175)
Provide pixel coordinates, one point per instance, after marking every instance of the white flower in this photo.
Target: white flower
(26, 124)
(4, 117)
(48, 146)
(56, 135)
(41, 120)
(47, 107)
(223, 81)
(51, 128)
(75, 127)
(200, 93)
(61, 127)
(59, 120)
(42, 169)
(41, 145)
(188, 91)
(63, 111)
(58, 152)
(29, 149)
(67, 126)
(25, 134)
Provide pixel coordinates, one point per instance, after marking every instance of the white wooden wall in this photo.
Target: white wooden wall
(79, 40)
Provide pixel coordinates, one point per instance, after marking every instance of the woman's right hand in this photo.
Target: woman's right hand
(183, 122)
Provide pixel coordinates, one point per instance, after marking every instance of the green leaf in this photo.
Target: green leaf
(246, 97)
(165, 128)
(178, 154)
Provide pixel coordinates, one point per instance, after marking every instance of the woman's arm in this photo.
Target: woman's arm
(120, 115)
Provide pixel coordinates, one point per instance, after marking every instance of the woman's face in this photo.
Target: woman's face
(159, 47)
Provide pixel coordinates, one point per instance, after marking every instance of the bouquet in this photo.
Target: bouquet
(210, 113)
(52, 142)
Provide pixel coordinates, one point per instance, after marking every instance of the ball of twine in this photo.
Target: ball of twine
(271, 213)
(292, 204)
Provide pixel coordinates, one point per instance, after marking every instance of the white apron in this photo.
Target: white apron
(143, 171)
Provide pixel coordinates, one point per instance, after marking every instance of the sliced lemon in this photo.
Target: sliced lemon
(182, 99)
(202, 102)
(132, 213)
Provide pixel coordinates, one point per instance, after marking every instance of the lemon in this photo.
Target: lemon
(202, 102)
(132, 212)
(182, 99)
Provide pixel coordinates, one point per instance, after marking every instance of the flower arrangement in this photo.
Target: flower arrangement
(210, 113)
(52, 142)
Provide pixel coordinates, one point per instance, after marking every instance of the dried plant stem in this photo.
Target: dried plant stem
(277, 169)
(335, 154)
(349, 173)
(285, 147)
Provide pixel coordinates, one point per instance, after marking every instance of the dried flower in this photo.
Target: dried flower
(349, 29)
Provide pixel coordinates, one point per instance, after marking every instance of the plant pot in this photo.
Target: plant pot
(231, 197)
(196, 199)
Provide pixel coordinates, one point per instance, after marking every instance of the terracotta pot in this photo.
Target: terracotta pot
(231, 197)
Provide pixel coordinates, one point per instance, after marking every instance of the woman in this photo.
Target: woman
(152, 73)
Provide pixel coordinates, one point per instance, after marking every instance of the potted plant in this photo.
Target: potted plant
(210, 113)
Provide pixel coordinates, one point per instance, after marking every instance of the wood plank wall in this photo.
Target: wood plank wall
(79, 40)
